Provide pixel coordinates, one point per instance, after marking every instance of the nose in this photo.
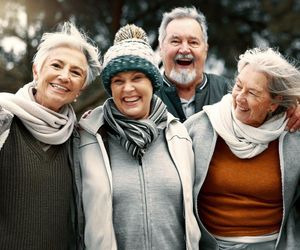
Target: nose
(241, 97)
(128, 86)
(184, 48)
(64, 75)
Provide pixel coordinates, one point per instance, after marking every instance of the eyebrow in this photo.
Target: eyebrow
(238, 79)
(73, 67)
(174, 36)
(177, 36)
(252, 89)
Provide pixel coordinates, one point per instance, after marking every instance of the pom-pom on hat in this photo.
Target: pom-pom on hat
(131, 52)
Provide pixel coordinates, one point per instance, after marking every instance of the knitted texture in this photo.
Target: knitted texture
(131, 52)
(36, 193)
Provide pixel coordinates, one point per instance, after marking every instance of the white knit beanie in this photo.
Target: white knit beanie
(131, 52)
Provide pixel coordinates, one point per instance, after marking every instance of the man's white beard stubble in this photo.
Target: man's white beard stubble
(183, 77)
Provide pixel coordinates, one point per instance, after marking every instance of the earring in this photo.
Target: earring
(75, 100)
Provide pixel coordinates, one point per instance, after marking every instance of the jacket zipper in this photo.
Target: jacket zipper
(143, 186)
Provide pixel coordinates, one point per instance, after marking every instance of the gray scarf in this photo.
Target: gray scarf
(135, 135)
(44, 124)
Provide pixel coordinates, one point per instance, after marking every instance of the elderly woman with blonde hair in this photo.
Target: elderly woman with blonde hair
(40, 177)
(246, 190)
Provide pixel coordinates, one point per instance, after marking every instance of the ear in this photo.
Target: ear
(275, 104)
(207, 47)
(34, 72)
(206, 51)
(160, 51)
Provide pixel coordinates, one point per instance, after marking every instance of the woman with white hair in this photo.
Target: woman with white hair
(246, 192)
(40, 178)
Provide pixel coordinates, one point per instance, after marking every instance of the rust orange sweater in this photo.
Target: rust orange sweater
(242, 197)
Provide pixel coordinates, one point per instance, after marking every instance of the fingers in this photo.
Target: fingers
(294, 120)
(290, 111)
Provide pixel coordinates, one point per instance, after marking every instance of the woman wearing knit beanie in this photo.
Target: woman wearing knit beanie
(137, 159)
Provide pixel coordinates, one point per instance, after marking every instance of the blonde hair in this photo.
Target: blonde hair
(69, 35)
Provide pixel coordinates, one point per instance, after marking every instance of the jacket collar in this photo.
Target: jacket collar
(94, 120)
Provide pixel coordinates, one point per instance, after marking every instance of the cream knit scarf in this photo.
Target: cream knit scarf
(45, 125)
(243, 140)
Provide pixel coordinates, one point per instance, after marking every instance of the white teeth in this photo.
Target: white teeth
(243, 109)
(59, 87)
(131, 99)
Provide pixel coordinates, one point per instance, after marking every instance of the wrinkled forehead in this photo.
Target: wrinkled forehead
(252, 77)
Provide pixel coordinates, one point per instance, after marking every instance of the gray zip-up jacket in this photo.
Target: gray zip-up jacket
(97, 181)
(204, 139)
(76, 205)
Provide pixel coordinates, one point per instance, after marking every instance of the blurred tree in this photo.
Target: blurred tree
(233, 26)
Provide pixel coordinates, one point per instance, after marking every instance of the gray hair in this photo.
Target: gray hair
(69, 35)
(284, 75)
(182, 12)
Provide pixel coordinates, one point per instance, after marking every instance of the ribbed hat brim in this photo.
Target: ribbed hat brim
(130, 63)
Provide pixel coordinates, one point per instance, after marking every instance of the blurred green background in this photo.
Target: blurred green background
(233, 26)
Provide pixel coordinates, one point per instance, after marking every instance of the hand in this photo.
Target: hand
(5, 121)
(294, 118)
(86, 114)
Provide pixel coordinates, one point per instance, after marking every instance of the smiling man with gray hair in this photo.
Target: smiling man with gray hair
(183, 49)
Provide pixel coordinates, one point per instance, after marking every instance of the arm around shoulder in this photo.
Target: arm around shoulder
(5, 122)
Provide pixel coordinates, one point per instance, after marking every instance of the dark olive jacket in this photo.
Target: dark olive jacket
(216, 87)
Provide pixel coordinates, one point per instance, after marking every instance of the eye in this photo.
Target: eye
(116, 81)
(195, 43)
(138, 76)
(252, 93)
(56, 65)
(237, 86)
(76, 73)
(175, 41)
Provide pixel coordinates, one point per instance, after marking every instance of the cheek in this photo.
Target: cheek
(113, 91)
(258, 110)
(169, 52)
(79, 87)
(233, 98)
(115, 95)
(41, 85)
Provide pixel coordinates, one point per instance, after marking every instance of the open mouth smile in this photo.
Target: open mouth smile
(184, 60)
(59, 87)
(131, 99)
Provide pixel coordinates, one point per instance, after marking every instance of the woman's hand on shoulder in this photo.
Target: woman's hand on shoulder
(294, 119)
(5, 120)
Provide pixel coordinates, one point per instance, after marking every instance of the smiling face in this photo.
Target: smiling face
(251, 99)
(183, 51)
(132, 93)
(61, 77)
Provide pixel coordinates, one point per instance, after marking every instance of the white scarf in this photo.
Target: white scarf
(243, 140)
(44, 124)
